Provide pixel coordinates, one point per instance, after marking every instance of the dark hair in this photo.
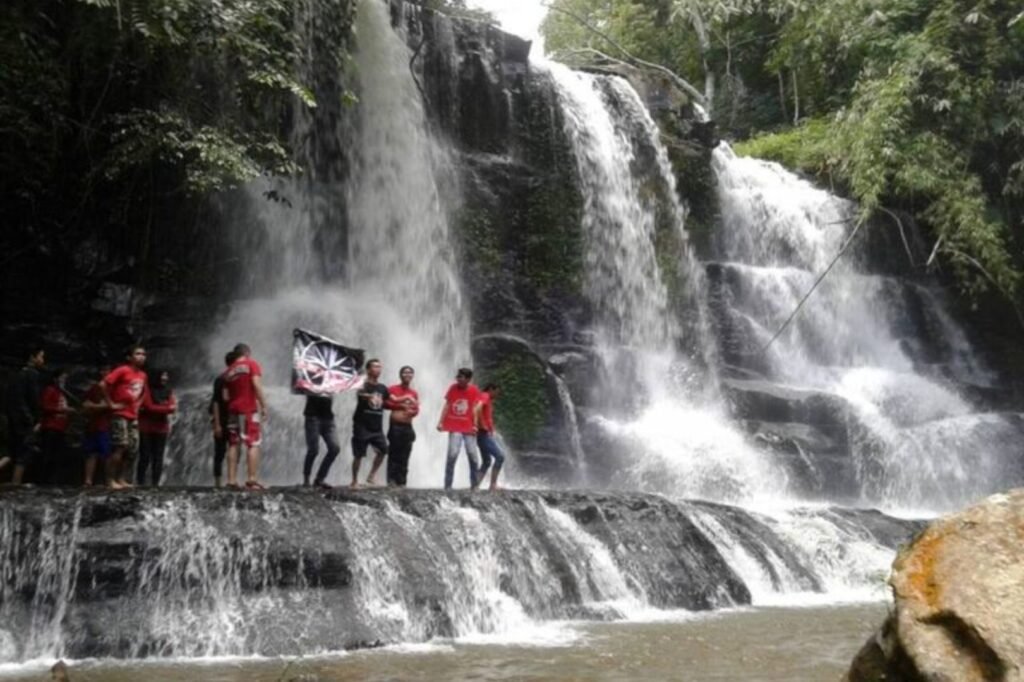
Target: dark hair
(406, 367)
(370, 362)
(465, 372)
(33, 349)
(230, 357)
(491, 387)
(57, 373)
(242, 349)
(130, 349)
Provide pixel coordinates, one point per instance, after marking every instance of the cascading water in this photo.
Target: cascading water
(916, 441)
(675, 437)
(396, 294)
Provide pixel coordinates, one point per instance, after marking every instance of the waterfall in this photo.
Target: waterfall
(670, 426)
(917, 442)
(173, 573)
(394, 291)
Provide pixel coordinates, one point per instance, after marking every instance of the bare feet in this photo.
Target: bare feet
(115, 485)
(495, 487)
(353, 485)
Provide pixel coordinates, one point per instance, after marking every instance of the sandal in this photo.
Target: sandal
(253, 485)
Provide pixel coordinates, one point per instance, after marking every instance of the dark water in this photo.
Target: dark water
(770, 644)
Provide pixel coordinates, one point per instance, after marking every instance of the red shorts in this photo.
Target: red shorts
(244, 428)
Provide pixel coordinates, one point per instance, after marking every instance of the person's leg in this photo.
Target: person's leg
(145, 454)
(90, 468)
(312, 448)
(234, 443)
(454, 444)
(380, 448)
(157, 456)
(131, 452)
(395, 451)
(400, 437)
(119, 438)
(483, 444)
(220, 450)
(359, 445)
(499, 461)
(474, 461)
(329, 433)
(50, 457)
(253, 430)
(403, 465)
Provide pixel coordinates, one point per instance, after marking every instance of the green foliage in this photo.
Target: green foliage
(523, 407)
(911, 104)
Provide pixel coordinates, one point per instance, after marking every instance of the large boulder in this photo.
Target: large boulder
(959, 601)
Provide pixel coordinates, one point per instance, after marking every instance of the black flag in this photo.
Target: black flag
(321, 366)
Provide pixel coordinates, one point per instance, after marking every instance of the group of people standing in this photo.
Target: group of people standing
(128, 416)
(127, 423)
(238, 410)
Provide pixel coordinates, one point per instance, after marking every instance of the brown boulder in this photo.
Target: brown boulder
(958, 590)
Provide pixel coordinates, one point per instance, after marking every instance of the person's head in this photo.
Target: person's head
(243, 350)
(36, 356)
(230, 357)
(373, 368)
(494, 390)
(162, 378)
(136, 356)
(464, 376)
(58, 376)
(406, 374)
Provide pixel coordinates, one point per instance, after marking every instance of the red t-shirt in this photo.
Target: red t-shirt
(126, 386)
(238, 381)
(486, 412)
(156, 417)
(54, 407)
(397, 392)
(99, 420)
(458, 415)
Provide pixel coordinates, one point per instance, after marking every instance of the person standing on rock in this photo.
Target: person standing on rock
(459, 420)
(319, 417)
(219, 419)
(53, 429)
(124, 390)
(368, 423)
(23, 412)
(490, 451)
(247, 410)
(404, 404)
(97, 428)
(155, 427)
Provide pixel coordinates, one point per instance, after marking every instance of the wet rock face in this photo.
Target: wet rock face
(959, 601)
(202, 572)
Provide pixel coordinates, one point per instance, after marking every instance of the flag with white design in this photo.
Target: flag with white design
(322, 366)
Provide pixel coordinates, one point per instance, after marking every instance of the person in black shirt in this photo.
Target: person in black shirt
(219, 418)
(319, 424)
(24, 410)
(368, 423)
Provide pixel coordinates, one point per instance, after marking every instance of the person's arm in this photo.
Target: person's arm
(105, 387)
(257, 385)
(149, 405)
(444, 411)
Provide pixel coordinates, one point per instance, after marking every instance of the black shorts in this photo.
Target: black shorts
(23, 444)
(362, 439)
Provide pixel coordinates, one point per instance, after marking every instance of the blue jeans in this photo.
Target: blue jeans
(317, 428)
(489, 450)
(455, 443)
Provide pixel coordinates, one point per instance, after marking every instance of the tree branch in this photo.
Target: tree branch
(682, 83)
(903, 236)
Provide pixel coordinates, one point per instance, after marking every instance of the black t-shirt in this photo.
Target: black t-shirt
(218, 403)
(369, 414)
(318, 406)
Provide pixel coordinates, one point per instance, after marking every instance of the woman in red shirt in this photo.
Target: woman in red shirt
(158, 405)
(485, 437)
(53, 427)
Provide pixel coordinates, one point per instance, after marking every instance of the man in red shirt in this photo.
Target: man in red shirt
(459, 419)
(155, 427)
(123, 390)
(97, 428)
(404, 404)
(53, 427)
(485, 437)
(247, 409)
